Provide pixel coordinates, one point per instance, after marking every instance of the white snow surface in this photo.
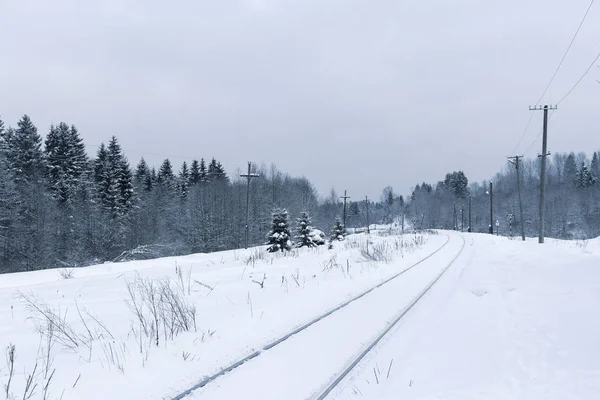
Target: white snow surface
(508, 320)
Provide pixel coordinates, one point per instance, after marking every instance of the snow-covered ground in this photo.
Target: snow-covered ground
(507, 320)
(510, 320)
(234, 315)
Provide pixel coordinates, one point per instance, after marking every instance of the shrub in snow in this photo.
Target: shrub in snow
(279, 237)
(318, 237)
(338, 233)
(304, 237)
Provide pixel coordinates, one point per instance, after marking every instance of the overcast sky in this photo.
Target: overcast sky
(353, 94)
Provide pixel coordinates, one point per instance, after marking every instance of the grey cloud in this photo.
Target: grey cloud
(352, 94)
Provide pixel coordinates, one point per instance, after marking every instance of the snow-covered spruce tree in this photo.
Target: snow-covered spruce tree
(141, 172)
(338, 233)
(194, 175)
(9, 219)
(24, 152)
(166, 177)
(216, 172)
(67, 163)
(184, 177)
(304, 237)
(67, 179)
(570, 170)
(203, 171)
(114, 180)
(279, 237)
(584, 177)
(595, 167)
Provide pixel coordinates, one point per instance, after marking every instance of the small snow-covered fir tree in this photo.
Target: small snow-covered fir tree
(338, 233)
(304, 237)
(279, 237)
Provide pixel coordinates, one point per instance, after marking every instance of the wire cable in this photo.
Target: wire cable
(580, 79)
(566, 52)
(555, 73)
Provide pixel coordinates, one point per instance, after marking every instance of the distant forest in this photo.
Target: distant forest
(572, 206)
(60, 207)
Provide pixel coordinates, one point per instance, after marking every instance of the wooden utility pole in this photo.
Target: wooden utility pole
(470, 229)
(367, 205)
(345, 197)
(248, 176)
(517, 163)
(455, 223)
(543, 171)
(491, 208)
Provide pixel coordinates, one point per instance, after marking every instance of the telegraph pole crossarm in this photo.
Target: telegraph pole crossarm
(249, 177)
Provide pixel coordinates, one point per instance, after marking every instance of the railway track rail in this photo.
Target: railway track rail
(249, 358)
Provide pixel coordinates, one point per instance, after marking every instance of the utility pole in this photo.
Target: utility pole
(367, 205)
(543, 172)
(470, 229)
(516, 162)
(491, 208)
(455, 222)
(249, 177)
(462, 218)
(345, 197)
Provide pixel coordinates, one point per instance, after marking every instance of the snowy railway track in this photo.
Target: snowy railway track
(354, 363)
(325, 317)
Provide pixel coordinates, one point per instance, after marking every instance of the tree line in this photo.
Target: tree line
(61, 207)
(572, 199)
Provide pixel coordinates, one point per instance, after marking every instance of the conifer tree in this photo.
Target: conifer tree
(126, 190)
(1, 134)
(141, 171)
(338, 232)
(194, 177)
(279, 236)
(66, 161)
(304, 237)
(203, 171)
(570, 170)
(584, 177)
(184, 177)
(166, 177)
(595, 167)
(114, 180)
(150, 180)
(24, 152)
(9, 218)
(216, 172)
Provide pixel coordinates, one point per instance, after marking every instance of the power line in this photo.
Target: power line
(566, 52)
(554, 75)
(580, 79)
(524, 132)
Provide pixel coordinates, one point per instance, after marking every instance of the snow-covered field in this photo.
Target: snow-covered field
(510, 320)
(234, 315)
(507, 320)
